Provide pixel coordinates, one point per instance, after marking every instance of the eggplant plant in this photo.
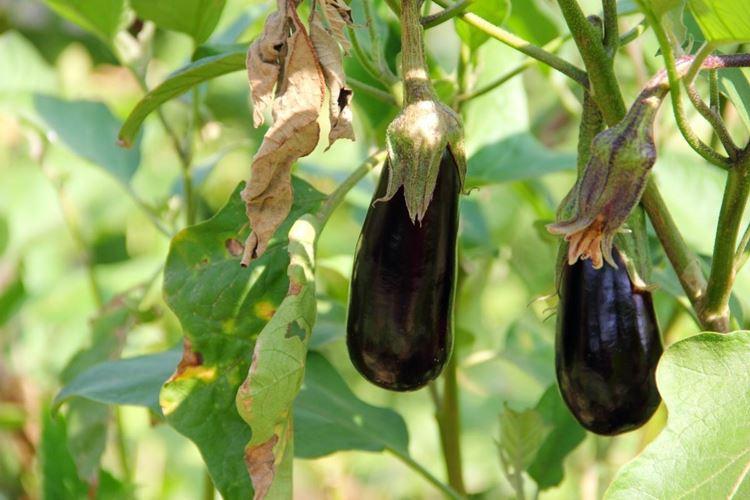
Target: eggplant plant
(483, 207)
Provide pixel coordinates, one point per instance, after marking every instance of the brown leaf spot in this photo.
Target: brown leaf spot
(189, 359)
(260, 463)
(234, 247)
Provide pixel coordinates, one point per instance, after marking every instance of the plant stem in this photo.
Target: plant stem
(714, 119)
(338, 195)
(524, 46)
(604, 86)
(378, 94)
(446, 14)
(611, 29)
(416, 76)
(419, 469)
(716, 308)
(695, 66)
(376, 46)
(552, 46)
(122, 448)
(676, 94)
(683, 260)
(449, 423)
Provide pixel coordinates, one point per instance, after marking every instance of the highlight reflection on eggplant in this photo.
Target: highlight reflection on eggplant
(607, 348)
(399, 324)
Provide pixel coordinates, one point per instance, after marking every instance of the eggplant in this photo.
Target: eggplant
(400, 304)
(607, 348)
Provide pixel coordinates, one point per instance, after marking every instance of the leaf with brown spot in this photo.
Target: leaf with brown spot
(294, 134)
(274, 379)
(340, 96)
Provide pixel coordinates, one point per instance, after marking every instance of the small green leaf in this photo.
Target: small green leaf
(704, 450)
(131, 381)
(514, 158)
(88, 420)
(101, 17)
(59, 477)
(723, 21)
(494, 11)
(22, 68)
(328, 417)
(521, 436)
(564, 436)
(12, 296)
(197, 18)
(178, 83)
(530, 22)
(222, 308)
(89, 129)
(735, 83)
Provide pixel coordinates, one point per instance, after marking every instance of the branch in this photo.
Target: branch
(524, 46)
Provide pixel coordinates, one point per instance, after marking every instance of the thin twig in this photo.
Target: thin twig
(378, 94)
(446, 14)
(611, 29)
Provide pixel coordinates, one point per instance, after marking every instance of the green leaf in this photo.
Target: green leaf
(265, 398)
(704, 450)
(531, 23)
(494, 11)
(178, 83)
(89, 129)
(521, 436)
(514, 158)
(101, 17)
(723, 21)
(22, 68)
(564, 436)
(328, 417)
(197, 18)
(660, 7)
(59, 477)
(12, 296)
(735, 83)
(88, 420)
(131, 381)
(222, 308)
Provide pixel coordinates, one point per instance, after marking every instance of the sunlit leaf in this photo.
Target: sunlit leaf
(723, 21)
(197, 18)
(222, 308)
(494, 11)
(703, 452)
(178, 83)
(89, 129)
(101, 17)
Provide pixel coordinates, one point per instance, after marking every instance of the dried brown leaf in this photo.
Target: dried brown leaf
(340, 97)
(264, 59)
(294, 134)
(338, 16)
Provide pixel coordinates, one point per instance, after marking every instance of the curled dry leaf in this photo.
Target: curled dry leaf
(329, 56)
(264, 62)
(294, 134)
(338, 16)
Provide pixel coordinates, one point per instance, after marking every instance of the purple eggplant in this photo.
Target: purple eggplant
(607, 348)
(400, 304)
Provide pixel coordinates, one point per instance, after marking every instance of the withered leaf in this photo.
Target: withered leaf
(294, 134)
(329, 56)
(338, 16)
(264, 59)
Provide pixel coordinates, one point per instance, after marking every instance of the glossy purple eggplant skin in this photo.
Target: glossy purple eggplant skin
(607, 348)
(399, 324)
